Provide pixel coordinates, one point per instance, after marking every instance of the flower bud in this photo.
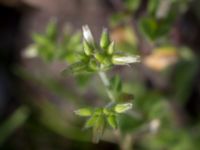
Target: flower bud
(87, 35)
(120, 108)
(84, 112)
(105, 40)
(123, 60)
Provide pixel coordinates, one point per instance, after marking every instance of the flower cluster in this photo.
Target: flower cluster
(100, 57)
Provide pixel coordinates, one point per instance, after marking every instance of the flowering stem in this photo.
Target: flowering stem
(106, 83)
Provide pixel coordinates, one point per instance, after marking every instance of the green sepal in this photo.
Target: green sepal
(105, 40)
(110, 48)
(87, 48)
(112, 121)
(84, 112)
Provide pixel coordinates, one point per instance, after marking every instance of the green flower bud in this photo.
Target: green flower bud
(84, 112)
(120, 108)
(87, 48)
(123, 60)
(112, 121)
(105, 40)
(110, 48)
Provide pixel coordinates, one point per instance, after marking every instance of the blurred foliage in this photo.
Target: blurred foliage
(152, 95)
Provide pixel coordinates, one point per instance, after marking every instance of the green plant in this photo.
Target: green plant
(98, 58)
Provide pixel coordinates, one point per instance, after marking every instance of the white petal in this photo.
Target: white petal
(126, 59)
(87, 35)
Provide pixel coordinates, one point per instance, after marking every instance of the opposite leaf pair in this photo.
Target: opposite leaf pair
(100, 117)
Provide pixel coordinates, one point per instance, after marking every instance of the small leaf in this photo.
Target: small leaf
(93, 65)
(51, 30)
(123, 60)
(98, 128)
(78, 67)
(105, 40)
(131, 5)
(112, 121)
(120, 108)
(91, 121)
(84, 112)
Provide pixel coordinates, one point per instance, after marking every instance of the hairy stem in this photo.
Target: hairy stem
(106, 83)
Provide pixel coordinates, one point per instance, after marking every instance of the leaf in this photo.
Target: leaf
(91, 121)
(152, 6)
(78, 67)
(116, 84)
(154, 29)
(16, 120)
(51, 31)
(131, 5)
(112, 121)
(98, 128)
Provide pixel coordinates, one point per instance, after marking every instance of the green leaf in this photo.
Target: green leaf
(112, 121)
(79, 67)
(116, 84)
(93, 65)
(98, 128)
(131, 5)
(120, 108)
(154, 29)
(91, 121)
(51, 30)
(152, 6)
(17, 119)
(84, 112)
